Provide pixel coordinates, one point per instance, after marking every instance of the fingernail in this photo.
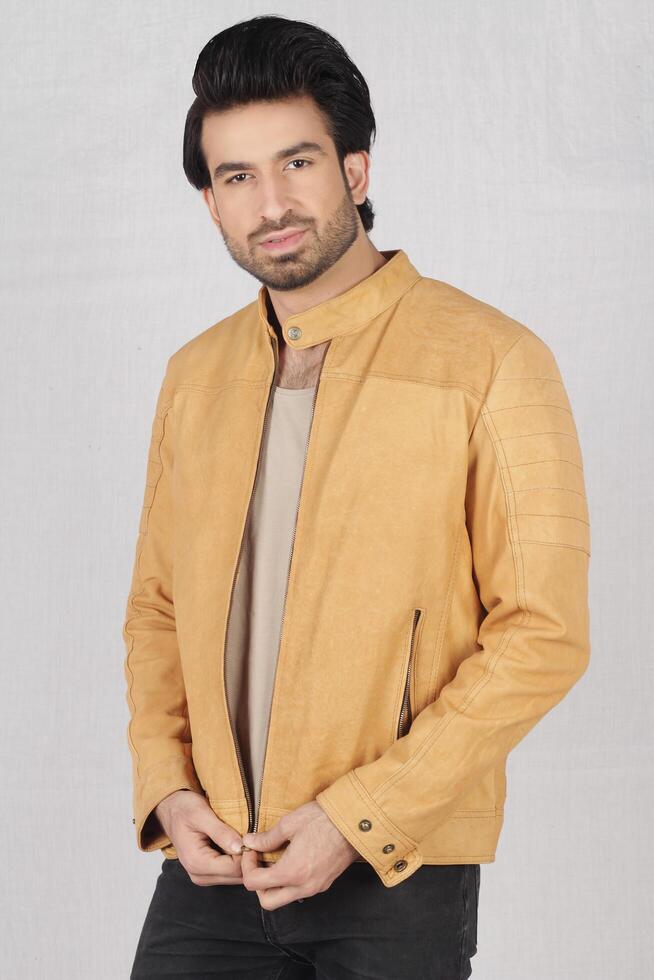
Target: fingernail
(236, 847)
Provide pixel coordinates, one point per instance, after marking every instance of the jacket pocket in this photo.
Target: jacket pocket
(406, 708)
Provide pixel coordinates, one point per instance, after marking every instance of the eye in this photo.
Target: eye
(233, 179)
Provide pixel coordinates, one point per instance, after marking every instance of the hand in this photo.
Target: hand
(317, 853)
(192, 826)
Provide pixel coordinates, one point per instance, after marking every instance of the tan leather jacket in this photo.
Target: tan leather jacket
(436, 605)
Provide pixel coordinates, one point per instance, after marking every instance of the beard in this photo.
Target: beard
(309, 259)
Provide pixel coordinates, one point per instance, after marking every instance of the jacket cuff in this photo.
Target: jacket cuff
(349, 806)
(159, 782)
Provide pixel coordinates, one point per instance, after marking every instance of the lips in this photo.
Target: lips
(289, 241)
(283, 235)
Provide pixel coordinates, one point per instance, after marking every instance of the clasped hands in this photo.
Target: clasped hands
(316, 852)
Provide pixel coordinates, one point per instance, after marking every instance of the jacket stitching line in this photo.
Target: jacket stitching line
(534, 462)
(236, 801)
(214, 389)
(512, 519)
(508, 408)
(161, 415)
(547, 486)
(468, 857)
(568, 517)
(445, 615)
(545, 432)
(482, 813)
(383, 376)
(556, 381)
(186, 734)
(238, 383)
(556, 544)
(464, 813)
(342, 375)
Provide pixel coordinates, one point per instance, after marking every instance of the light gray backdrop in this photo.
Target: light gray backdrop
(514, 160)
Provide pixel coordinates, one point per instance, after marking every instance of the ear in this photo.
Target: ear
(357, 167)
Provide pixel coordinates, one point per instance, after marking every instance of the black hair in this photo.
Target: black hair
(268, 58)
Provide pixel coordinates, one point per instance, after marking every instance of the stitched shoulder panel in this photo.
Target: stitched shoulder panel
(529, 418)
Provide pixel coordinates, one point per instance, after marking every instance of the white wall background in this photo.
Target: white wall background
(514, 160)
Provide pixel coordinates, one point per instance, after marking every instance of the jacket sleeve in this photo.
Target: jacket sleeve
(527, 520)
(158, 732)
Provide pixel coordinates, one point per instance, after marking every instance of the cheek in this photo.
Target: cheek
(239, 219)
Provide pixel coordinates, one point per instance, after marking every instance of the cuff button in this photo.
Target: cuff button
(364, 825)
(400, 865)
(387, 848)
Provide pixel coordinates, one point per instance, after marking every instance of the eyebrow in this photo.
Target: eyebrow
(289, 151)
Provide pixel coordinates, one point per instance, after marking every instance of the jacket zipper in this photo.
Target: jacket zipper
(406, 715)
(239, 756)
(288, 573)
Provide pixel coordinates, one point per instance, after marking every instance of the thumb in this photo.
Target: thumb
(219, 832)
(266, 840)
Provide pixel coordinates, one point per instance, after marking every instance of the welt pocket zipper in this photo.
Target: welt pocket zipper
(406, 711)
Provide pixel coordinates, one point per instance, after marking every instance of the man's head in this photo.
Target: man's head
(278, 138)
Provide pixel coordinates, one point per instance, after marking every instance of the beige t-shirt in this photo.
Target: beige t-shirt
(259, 591)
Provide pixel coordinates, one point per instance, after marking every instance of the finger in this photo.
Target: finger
(207, 865)
(259, 876)
(220, 832)
(268, 840)
(249, 860)
(230, 867)
(200, 858)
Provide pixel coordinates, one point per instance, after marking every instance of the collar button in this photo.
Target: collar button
(294, 333)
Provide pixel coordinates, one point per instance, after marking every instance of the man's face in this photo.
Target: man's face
(259, 196)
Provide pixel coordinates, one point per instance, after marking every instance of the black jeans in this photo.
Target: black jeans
(425, 928)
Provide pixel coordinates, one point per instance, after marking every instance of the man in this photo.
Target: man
(361, 569)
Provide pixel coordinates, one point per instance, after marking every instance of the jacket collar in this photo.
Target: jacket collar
(348, 311)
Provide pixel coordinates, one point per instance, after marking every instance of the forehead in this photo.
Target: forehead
(257, 131)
